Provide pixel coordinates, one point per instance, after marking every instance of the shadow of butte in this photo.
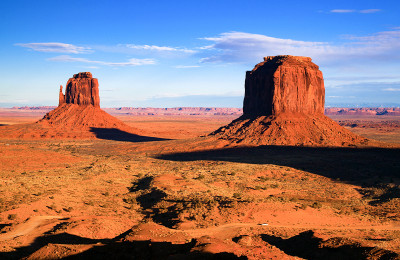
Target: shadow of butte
(357, 165)
(116, 134)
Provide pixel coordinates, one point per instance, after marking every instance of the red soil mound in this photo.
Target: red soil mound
(75, 116)
(288, 129)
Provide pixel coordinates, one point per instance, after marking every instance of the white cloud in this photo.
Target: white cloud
(55, 47)
(91, 67)
(130, 62)
(248, 47)
(342, 11)
(391, 89)
(186, 66)
(369, 11)
(241, 46)
(364, 11)
(159, 48)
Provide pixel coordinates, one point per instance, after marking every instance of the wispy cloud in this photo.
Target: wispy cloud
(369, 11)
(248, 47)
(391, 89)
(55, 47)
(342, 11)
(241, 46)
(186, 66)
(130, 62)
(159, 48)
(363, 11)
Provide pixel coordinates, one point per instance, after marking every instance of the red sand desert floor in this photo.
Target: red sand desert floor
(105, 198)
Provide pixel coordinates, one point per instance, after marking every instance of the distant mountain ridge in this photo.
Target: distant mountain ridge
(392, 111)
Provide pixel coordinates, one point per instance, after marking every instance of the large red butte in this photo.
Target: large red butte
(284, 105)
(283, 84)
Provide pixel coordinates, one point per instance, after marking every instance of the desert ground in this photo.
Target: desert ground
(164, 197)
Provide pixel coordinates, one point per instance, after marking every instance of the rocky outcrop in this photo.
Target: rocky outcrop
(82, 89)
(284, 105)
(61, 97)
(78, 112)
(284, 84)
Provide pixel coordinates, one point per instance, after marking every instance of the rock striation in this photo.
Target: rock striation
(283, 84)
(82, 89)
(284, 105)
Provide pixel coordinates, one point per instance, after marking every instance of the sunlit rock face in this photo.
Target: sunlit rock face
(82, 89)
(284, 84)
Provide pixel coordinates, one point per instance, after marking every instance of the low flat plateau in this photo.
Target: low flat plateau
(158, 199)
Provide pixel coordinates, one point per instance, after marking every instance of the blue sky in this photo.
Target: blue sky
(195, 53)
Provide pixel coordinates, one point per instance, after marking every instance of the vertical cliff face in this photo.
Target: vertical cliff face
(61, 97)
(284, 105)
(82, 89)
(284, 84)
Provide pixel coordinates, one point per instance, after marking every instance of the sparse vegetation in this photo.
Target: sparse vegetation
(237, 195)
(106, 192)
(12, 216)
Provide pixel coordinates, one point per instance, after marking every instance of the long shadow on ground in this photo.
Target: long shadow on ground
(114, 249)
(119, 135)
(308, 246)
(366, 167)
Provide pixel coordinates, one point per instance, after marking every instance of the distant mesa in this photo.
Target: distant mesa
(284, 105)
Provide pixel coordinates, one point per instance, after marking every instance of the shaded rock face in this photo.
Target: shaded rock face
(82, 89)
(61, 97)
(284, 84)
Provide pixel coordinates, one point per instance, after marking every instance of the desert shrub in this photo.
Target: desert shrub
(12, 216)
(129, 200)
(316, 205)
(53, 207)
(237, 195)
(69, 209)
(303, 206)
(90, 203)
(200, 177)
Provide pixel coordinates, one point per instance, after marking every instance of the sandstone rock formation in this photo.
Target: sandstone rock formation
(78, 115)
(81, 89)
(284, 105)
(284, 84)
(80, 106)
(61, 97)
